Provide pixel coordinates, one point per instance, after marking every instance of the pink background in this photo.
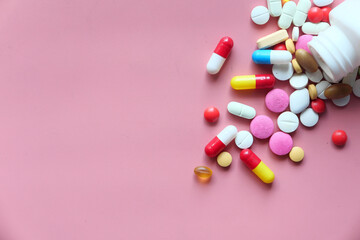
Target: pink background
(102, 125)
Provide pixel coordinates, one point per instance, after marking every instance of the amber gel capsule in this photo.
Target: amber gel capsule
(203, 172)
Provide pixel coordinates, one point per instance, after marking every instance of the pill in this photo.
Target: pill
(299, 100)
(260, 15)
(336, 91)
(283, 72)
(322, 3)
(315, 77)
(280, 46)
(351, 77)
(219, 55)
(321, 87)
(277, 100)
(262, 127)
(271, 57)
(314, 28)
(318, 105)
(288, 122)
(296, 66)
(290, 46)
(224, 159)
(327, 78)
(244, 139)
(339, 137)
(296, 154)
(309, 118)
(312, 91)
(302, 42)
(287, 15)
(260, 81)
(299, 81)
(341, 102)
(211, 114)
(203, 172)
(272, 39)
(257, 166)
(284, 1)
(356, 88)
(301, 13)
(241, 110)
(295, 33)
(275, 7)
(281, 143)
(315, 15)
(218, 143)
(306, 60)
(326, 11)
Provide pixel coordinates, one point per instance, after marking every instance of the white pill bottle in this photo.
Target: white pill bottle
(337, 49)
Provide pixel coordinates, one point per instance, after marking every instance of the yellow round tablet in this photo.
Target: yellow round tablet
(224, 159)
(297, 154)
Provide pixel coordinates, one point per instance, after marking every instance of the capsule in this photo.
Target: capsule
(218, 143)
(219, 55)
(253, 82)
(257, 166)
(271, 57)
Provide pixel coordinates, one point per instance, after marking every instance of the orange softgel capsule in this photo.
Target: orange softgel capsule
(203, 172)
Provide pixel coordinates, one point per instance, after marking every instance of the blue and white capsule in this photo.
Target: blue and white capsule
(271, 57)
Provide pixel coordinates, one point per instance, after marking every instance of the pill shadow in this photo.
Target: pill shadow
(204, 181)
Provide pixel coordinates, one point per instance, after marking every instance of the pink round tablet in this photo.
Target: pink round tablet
(302, 42)
(277, 100)
(281, 143)
(262, 127)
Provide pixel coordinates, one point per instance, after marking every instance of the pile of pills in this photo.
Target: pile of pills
(292, 61)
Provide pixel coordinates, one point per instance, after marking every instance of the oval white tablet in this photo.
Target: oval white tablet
(288, 122)
(314, 28)
(287, 15)
(321, 87)
(295, 34)
(244, 139)
(260, 15)
(351, 77)
(301, 13)
(309, 118)
(283, 72)
(299, 81)
(241, 110)
(299, 100)
(322, 3)
(356, 88)
(315, 77)
(342, 102)
(275, 7)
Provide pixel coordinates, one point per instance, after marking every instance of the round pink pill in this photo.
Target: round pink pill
(262, 127)
(281, 143)
(302, 42)
(277, 100)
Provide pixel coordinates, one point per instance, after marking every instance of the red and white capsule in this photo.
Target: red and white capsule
(219, 55)
(218, 143)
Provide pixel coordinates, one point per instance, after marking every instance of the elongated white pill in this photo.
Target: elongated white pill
(301, 13)
(287, 15)
(299, 100)
(275, 7)
(241, 110)
(314, 28)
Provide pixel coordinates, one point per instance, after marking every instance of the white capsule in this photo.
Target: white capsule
(342, 102)
(309, 118)
(260, 15)
(241, 110)
(287, 15)
(215, 63)
(299, 81)
(315, 77)
(299, 100)
(219, 55)
(275, 7)
(314, 28)
(301, 13)
(244, 139)
(288, 122)
(227, 134)
(321, 87)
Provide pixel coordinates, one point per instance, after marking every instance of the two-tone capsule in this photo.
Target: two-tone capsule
(253, 82)
(219, 55)
(257, 166)
(218, 143)
(271, 57)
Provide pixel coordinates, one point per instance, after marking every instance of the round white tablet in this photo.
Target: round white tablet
(244, 139)
(315, 77)
(341, 102)
(295, 34)
(299, 81)
(260, 15)
(322, 3)
(309, 118)
(321, 87)
(288, 122)
(356, 88)
(283, 72)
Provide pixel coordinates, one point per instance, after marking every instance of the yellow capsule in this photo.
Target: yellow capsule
(264, 173)
(203, 172)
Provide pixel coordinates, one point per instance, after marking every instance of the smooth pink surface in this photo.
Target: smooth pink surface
(280, 143)
(277, 100)
(303, 41)
(262, 126)
(102, 126)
